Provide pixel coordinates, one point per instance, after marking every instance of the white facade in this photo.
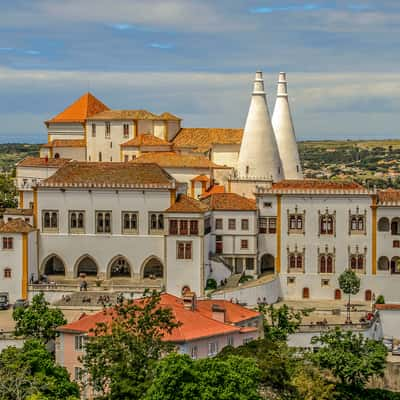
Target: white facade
(284, 132)
(65, 131)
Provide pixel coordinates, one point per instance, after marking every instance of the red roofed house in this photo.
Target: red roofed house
(207, 326)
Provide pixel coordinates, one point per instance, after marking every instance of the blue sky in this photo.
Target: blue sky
(197, 58)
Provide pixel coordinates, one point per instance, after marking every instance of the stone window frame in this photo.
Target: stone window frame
(103, 213)
(77, 229)
(156, 227)
(296, 216)
(357, 254)
(357, 216)
(296, 253)
(326, 253)
(48, 225)
(129, 231)
(325, 215)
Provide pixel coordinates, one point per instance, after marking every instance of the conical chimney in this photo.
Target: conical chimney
(284, 131)
(259, 155)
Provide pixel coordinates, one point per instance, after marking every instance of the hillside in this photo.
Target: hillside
(10, 154)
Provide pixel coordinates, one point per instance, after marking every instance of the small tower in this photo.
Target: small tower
(284, 131)
(259, 155)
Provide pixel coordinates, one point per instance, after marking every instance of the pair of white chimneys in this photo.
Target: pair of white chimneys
(269, 148)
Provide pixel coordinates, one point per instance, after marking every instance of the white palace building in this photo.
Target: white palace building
(131, 199)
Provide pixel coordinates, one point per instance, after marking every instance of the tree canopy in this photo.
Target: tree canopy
(351, 358)
(349, 282)
(31, 371)
(38, 320)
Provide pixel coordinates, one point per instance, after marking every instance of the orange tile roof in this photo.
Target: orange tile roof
(43, 162)
(66, 143)
(187, 204)
(212, 190)
(387, 306)
(17, 225)
(124, 115)
(171, 159)
(195, 324)
(388, 196)
(146, 139)
(109, 175)
(166, 116)
(316, 184)
(230, 202)
(204, 138)
(83, 108)
(234, 313)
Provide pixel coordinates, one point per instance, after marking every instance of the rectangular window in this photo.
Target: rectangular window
(173, 227)
(250, 263)
(231, 224)
(77, 221)
(184, 251)
(272, 225)
(50, 221)
(103, 221)
(267, 204)
(194, 227)
(7, 243)
(207, 225)
(245, 224)
(193, 352)
(212, 348)
(244, 244)
(156, 223)
(126, 131)
(129, 222)
(7, 272)
(219, 244)
(218, 223)
(79, 342)
(262, 225)
(108, 130)
(93, 130)
(183, 227)
(126, 158)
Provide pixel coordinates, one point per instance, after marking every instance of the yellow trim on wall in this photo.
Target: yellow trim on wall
(229, 187)
(192, 189)
(374, 234)
(172, 196)
(35, 208)
(278, 232)
(24, 288)
(21, 199)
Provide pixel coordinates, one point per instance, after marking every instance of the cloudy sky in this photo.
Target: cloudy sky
(197, 58)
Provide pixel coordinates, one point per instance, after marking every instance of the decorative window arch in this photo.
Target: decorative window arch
(326, 261)
(327, 223)
(296, 260)
(383, 225)
(357, 259)
(296, 221)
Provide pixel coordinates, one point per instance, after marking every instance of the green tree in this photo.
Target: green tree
(38, 320)
(120, 354)
(179, 377)
(31, 371)
(349, 282)
(351, 358)
(8, 192)
(280, 322)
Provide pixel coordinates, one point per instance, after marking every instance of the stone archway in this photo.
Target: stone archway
(53, 265)
(119, 267)
(152, 268)
(267, 264)
(86, 265)
(383, 264)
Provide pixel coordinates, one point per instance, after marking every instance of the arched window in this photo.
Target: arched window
(120, 268)
(322, 264)
(126, 221)
(360, 223)
(395, 226)
(153, 269)
(107, 222)
(153, 221)
(292, 261)
(73, 220)
(299, 222)
(54, 221)
(360, 262)
(160, 221)
(383, 225)
(80, 220)
(292, 222)
(299, 261)
(57, 155)
(87, 266)
(323, 225)
(353, 263)
(54, 266)
(329, 264)
(383, 264)
(46, 220)
(353, 223)
(329, 227)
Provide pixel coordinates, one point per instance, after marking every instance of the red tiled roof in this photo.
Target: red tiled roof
(316, 184)
(230, 202)
(387, 307)
(43, 162)
(66, 143)
(146, 139)
(234, 313)
(125, 115)
(166, 116)
(388, 196)
(171, 159)
(185, 204)
(200, 178)
(17, 225)
(80, 110)
(195, 324)
(109, 174)
(204, 138)
(212, 190)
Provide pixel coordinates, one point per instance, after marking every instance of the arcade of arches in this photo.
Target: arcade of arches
(120, 268)
(153, 268)
(87, 266)
(54, 266)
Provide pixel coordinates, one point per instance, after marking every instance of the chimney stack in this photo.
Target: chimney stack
(189, 301)
(218, 313)
(284, 131)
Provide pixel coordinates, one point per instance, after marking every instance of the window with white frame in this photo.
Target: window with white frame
(103, 221)
(156, 223)
(218, 223)
(245, 224)
(77, 221)
(184, 250)
(8, 243)
(79, 342)
(50, 220)
(231, 224)
(129, 222)
(212, 349)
